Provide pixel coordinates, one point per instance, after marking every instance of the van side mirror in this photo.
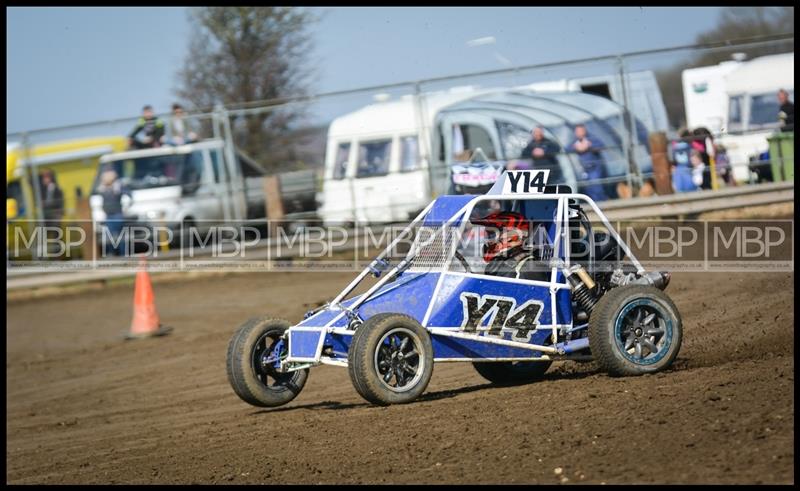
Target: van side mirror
(12, 209)
(190, 188)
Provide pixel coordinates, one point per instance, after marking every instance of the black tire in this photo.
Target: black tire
(253, 383)
(512, 372)
(613, 326)
(373, 355)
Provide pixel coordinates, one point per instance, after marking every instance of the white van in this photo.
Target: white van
(193, 185)
(737, 102)
(386, 161)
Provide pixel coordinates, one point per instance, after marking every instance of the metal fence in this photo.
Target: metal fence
(432, 124)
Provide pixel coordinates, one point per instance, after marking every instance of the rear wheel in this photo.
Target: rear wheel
(250, 364)
(512, 372)
(390, 359)
(634, 330)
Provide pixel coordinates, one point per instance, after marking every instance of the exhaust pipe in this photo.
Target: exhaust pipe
(658, 279)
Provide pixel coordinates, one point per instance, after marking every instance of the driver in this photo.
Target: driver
(505, 251)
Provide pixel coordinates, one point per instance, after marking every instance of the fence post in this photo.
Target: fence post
(426, 152)
(233, 169)
(274, 203)
(661, 170)
(634, 178)
(37, 213)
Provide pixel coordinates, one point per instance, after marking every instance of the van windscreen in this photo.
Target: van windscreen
(373, 158)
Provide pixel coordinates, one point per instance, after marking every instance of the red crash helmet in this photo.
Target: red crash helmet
(512, 230)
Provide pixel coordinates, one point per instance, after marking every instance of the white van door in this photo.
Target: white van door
(464, 136)
(372, 184)
(390, 180)
(201, 197)
(338, 198)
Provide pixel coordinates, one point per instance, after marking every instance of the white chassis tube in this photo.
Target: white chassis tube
(562, 216)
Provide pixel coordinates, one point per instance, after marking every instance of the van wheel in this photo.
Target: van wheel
(184, 235)
(390, 359)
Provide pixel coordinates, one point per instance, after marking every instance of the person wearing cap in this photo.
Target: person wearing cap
(151, 127)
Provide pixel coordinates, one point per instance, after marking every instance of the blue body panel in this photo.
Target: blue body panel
(448, 310)
(506, 301)
(303, 344)
(409, 294)
(444, 208)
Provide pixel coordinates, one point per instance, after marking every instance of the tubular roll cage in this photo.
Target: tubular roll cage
(561, 243)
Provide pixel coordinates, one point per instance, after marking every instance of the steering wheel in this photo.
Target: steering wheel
(463, 261)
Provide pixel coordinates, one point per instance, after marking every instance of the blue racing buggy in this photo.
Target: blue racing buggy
(509, 281)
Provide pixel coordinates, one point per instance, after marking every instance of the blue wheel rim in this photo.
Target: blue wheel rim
(643, 332)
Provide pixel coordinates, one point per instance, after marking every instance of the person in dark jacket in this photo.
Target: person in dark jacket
(786, 113)
(543, 154)
(52, 198)
(52, 204)
(151, 127)
(114, 194)
(588, 149)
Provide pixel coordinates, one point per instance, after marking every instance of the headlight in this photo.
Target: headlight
(156, 214)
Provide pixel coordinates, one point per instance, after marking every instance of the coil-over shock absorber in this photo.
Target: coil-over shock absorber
(583, 287)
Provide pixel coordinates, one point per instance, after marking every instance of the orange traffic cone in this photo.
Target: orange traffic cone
(145, 318)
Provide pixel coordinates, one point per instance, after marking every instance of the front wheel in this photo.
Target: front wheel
(251, 370)
(390, 359)
(634, 330)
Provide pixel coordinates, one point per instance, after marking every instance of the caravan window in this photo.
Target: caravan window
(513, 138)
(373, 158)
(735, 111)
(192, 169)
(342, 158)
(409, 153)
(764, 109)
(468, 138)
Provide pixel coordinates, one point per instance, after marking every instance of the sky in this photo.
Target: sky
(75, 65)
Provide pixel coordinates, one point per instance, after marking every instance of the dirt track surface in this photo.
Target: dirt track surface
(84, 406)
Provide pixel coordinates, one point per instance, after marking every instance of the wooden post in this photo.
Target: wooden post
(272, 199)
(83, 214)
(661, 166)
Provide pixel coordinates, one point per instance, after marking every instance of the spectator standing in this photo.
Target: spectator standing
(701, 174)
(52, 205)
(594, 167)
(786, 113)
(113, 192)
(723, 165)
(544, 153)
(52, 199)
(681, 160)
(179, 130)
(151, 127)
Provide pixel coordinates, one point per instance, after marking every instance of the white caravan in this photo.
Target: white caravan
(641, 90)
(744, 98)
(705, 96)
(386, 161)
